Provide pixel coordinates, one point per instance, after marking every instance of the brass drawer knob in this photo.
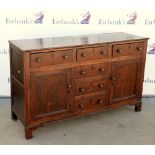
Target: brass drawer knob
(82, 89)
(83, 55)
(81, 105)
(19, 72)
(38, 59)
(101, 69)
(69, 86)
(119, 51)
(65, 56)
(103, 52)
(83, 72)
(101, 85)
(100, 101)
(139, 48)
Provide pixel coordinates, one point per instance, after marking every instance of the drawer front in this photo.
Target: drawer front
(100, 69)
(101, 52)
(85, 87)
(84, 54)
(127, 49)
(83, 71)
(41, 59)
(137, 48)
(91, 102)
(90, 70)
(49, 58)
(65, 56)
(121, 50)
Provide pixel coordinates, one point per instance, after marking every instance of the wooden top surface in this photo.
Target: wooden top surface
(68, 41)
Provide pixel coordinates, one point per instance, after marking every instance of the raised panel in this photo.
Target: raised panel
(50, 93)
(125, 79)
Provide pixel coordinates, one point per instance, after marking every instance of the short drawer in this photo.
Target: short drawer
(41, 59)
(90, 70)
(85, 87)
(63, 56)
(101, 52)
(121, 50)
(128, 49)
(91, 102)
(137, 48)
(53, 57)
(85, 54)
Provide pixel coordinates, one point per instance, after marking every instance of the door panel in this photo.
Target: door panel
(124, 79)
(50, 93)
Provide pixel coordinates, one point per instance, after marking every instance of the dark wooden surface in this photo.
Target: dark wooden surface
(103, 72)
(68, 41)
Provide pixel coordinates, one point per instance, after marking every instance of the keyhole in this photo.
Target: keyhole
(68, 92)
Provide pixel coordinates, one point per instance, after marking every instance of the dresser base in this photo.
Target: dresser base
(60, 78)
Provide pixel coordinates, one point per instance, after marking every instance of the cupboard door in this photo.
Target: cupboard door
(125, 80)
(50, 93)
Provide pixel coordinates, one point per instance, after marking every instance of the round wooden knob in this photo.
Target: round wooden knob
(139, 48)
(83, 72)
(83, 55)
(119, 51)
(65, 56)
(69, 86)
(81, 105)
(82, 89)
(101, 85)
(38, 59)
(101, 69)
(103, 52)
(19, 72)
(100, 101)
(113, 78)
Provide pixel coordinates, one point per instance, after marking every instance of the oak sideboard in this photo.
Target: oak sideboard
(65, 77)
